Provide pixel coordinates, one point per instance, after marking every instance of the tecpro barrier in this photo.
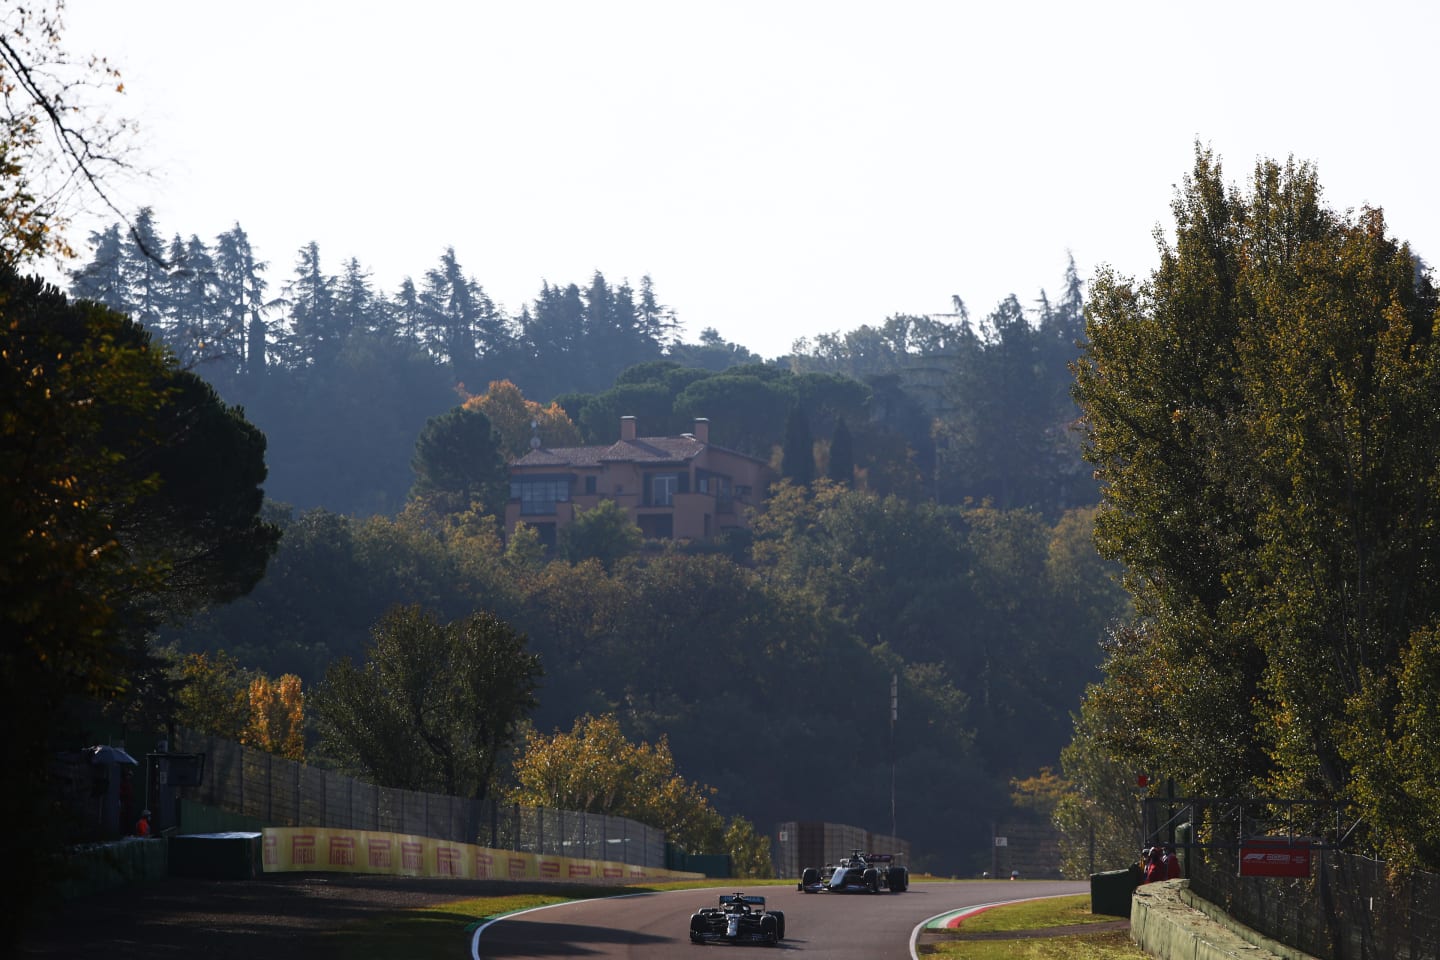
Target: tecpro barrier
(367, 851)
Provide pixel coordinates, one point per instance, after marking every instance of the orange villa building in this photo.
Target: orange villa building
(674, 488)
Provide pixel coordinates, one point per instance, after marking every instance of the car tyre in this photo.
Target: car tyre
(779, 924)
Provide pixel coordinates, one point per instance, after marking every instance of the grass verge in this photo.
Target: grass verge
(1021, 920)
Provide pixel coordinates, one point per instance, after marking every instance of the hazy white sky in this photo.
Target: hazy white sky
(780, 169)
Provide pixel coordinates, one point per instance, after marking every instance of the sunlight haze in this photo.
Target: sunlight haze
(779, 170)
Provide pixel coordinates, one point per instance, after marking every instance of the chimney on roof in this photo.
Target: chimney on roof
(702, 429)
(627, 428)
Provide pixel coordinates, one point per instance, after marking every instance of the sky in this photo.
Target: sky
(778, 169)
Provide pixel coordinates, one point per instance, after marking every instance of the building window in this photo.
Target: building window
(715, 484)
(538, 496)
(589, 484)
(662, 489)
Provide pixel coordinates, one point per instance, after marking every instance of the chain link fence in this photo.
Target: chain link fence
(1340, 906)
(1350, 908)
(284, 793)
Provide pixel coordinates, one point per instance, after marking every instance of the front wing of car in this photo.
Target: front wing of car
(726, 931)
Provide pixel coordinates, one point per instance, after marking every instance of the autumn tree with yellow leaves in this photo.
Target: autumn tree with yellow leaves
(219, 697)
(517, 420)
(595, 769)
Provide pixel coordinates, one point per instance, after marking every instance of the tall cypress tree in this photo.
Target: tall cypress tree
(798, 460)
(842, 455)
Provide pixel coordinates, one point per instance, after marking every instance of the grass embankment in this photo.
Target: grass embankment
(1010, 934)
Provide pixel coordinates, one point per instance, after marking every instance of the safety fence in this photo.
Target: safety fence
(1285, 868)
(1349, 908)
(365, 851)
(284, 793)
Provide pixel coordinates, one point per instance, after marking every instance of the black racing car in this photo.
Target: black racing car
(740, 918)
(859, 872)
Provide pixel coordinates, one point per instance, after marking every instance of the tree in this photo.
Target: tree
(356, 305)
(1262, 413)
(712, 352)
(146, 273)
(553, 333)
(103, 278)
(518, 420)
(798, 460)
(315, 332)
(277, 716)
(841, 469)
(241, 297)
(434, 706)
(195, 323)
(462, 323)
(56, 142)
(458, 456)
(213, 695)
(605, 533)
(217, 696)
(112, 452)
(749, 850)
(131, 495)
(595, 769)
(202, 522)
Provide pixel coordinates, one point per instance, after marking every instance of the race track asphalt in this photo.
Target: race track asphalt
(836, 926)
(286, 917)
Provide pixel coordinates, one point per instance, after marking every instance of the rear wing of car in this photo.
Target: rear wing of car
(878, 857)
(728, 898)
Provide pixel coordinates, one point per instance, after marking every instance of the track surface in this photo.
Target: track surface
(840, 926)
(287, 917)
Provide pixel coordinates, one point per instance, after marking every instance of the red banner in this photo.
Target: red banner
(1275, 857)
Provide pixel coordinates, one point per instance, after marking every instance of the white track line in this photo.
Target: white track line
(475, 940)
(965, 912)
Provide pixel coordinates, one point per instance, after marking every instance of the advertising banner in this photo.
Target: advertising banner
(1275, 857)
(310, 849)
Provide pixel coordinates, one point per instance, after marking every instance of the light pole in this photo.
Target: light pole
(894, 712)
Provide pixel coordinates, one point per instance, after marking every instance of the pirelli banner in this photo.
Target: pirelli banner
(293, 849)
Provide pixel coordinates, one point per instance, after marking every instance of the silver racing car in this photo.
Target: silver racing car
(857, 873)
(740, 918)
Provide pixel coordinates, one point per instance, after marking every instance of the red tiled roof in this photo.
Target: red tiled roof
(641, 450)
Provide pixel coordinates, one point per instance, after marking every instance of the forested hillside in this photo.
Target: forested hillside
(341, 376)
(949, 547)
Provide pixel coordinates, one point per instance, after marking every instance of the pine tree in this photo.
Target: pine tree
(355, 301)
(197, 323)
(103, 279)
(450, 303)
(145, 271)
(406, 315)
(655, 322)
(314, 336)
(240, 297)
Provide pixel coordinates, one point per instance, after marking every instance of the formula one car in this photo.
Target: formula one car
(740, 918)
(857, 873)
